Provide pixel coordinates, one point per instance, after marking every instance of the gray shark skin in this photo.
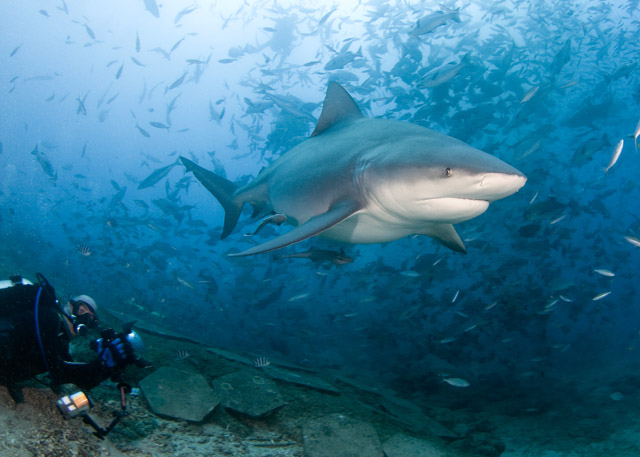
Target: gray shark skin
(367, 180)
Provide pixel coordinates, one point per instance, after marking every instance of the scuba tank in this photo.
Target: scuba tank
(14, 281)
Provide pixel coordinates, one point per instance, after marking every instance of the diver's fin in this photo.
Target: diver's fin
(222, 189)
(447, 235)
(317, 224)
(338, 107)
(15, 390)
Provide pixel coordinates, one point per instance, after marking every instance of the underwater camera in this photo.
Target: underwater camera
(74, 405)
(78, 404)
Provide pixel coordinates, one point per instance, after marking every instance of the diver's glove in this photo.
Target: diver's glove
(112, 353)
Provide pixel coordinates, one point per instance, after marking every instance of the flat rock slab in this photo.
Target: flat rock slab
(231, 356)
(340, 436)
(360, 385)
(301, 379)
(248, 393)
(401, 445)
(409, 414)
(179, 394)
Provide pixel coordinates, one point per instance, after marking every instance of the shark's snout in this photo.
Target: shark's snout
(494, 186)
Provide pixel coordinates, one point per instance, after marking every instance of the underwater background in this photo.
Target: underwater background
(98, 100)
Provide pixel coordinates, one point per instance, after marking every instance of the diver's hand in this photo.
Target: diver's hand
(112, 354)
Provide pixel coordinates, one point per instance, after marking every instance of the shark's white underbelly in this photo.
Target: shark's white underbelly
(363, 228)
(380, 225)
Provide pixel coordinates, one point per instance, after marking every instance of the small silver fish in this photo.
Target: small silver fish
(299, 297)
(185, 283)
(44, 162)
(410, 274)
(90, 32)
(81, 109)
(529, 95)
(157, 174)
(471, 327)
(159, 125)
(603, 272)
(488, 307)
(600, 296)
(143, 132)
(569, 84)
(551, 304)
(442, 74)
(633, 240)
(615, 156)
(447, 340)
(636, 134)
(434, 20)
(457, 382)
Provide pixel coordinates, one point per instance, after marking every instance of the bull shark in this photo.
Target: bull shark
(367, 180)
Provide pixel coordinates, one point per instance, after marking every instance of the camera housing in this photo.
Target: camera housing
(74, 405)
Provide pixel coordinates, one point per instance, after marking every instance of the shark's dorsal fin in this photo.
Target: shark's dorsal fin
(338, 107)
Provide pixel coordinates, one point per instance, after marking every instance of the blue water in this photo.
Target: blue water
(524, 329)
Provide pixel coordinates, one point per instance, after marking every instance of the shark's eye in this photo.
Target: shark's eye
(448, 172)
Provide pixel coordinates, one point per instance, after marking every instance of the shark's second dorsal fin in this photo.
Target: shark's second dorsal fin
(338, 107)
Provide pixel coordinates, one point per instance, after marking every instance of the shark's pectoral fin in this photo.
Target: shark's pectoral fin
(447, 235)
(317, 224)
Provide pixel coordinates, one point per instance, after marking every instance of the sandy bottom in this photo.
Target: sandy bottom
(36, 428)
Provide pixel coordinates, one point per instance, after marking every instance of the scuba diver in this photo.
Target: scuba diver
(35, 332)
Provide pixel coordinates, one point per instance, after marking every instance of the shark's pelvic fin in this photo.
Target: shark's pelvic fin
(222, 189)
(317, 224)
(447, 235)
(338, 107)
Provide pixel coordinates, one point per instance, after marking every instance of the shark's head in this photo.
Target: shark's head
(439, 184)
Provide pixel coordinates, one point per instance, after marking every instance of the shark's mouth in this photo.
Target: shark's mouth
(451, 210)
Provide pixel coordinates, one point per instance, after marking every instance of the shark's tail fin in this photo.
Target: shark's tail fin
(222, 189)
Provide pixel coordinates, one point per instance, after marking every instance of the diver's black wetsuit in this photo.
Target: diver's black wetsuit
(25, 352)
